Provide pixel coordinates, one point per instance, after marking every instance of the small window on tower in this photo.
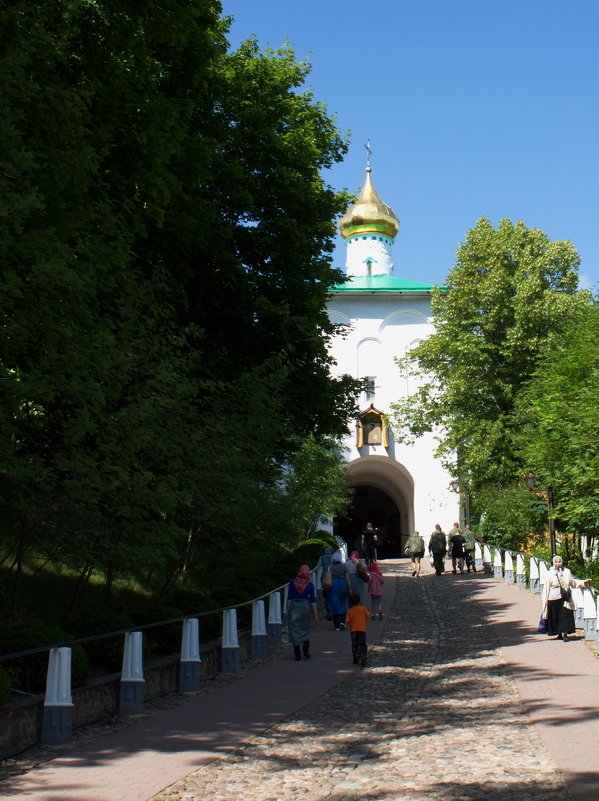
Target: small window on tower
(370, 387)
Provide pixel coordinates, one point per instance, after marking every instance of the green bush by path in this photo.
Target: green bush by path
(29, 673)
(5, 684)
(108, 652)
(236, 579)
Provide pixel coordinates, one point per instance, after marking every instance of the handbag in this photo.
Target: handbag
(542, 628)
(565, 593)
(363, 572)
(327, 580)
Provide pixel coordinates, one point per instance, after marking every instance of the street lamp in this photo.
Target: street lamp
(530, 481)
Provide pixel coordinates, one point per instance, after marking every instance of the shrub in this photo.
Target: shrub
(163, 639)
(190, 601)
(108, 652)
(29, 672)
(5, 684)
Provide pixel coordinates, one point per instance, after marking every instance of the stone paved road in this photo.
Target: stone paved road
(435, 716)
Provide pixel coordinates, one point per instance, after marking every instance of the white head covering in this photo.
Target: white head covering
(553, 567)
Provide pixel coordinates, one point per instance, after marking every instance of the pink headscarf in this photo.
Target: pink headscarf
(354, 556)
(374, 568)
(302, 579)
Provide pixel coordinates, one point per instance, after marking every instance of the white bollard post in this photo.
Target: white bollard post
(487, 559)
(132, 673)
(478, 556)
(315, 578)
(508, 566)
(259, 635)
(57, 721)
(578, 599)
(230, 645)
(190, 662)
(543, 570)
(520, 571)
(275, 623)
(497, 564)
(590, 615)
(533, 584)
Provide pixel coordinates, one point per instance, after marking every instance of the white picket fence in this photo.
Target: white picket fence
(511, 566)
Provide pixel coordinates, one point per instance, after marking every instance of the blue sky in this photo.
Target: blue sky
(473, 108)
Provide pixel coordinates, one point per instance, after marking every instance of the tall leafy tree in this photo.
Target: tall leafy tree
(559, 416)
(508, 300)
(165, 236)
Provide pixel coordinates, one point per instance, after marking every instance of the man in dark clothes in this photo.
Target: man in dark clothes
(456, 545)
(437, 545)
(369, 542)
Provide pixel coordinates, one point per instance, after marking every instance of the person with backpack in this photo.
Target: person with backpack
(469, 548)
(456, 546)
(437, 546)
(415, 548)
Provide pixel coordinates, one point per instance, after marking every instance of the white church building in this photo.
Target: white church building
(399, 488)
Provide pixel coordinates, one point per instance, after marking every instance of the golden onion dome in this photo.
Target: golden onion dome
(369, 214)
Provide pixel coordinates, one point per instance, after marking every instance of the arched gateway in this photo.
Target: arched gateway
(398, 487)
(383, 494)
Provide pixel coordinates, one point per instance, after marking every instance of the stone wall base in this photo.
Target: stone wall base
(21, 721)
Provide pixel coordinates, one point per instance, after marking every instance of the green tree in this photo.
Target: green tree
(165, 241)
(513, 517)
(509, 298)
(559, 416)
(316, 484)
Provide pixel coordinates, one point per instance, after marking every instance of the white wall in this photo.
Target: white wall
(377, 329)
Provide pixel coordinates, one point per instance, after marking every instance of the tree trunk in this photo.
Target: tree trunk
(13, 598)
(84, 577)
(106, 590)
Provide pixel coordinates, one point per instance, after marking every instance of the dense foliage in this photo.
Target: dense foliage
(165, 241)
(508, 301)
(560, 427)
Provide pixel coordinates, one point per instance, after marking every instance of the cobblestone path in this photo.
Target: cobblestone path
(434, 716)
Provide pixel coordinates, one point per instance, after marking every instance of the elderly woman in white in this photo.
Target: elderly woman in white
(558, 608)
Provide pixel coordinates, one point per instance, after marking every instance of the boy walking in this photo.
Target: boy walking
(356, 617)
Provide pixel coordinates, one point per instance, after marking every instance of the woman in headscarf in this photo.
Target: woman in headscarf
(339, 592)
(358, 574)
(558, 608)
(301, 610)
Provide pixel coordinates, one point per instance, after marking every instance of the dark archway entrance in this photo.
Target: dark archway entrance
(383, 494)
(372, 505)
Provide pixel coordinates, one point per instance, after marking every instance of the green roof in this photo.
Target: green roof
(380, 283)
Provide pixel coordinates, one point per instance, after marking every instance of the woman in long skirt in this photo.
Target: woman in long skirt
(358, 574)
(558, 608)
(301, 611)
(339, 592)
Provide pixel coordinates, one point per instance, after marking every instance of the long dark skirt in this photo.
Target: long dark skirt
(559, 619)
(357, 585)
(300, 621)
(338, 597)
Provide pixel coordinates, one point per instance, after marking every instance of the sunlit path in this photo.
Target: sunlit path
(444, 711)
